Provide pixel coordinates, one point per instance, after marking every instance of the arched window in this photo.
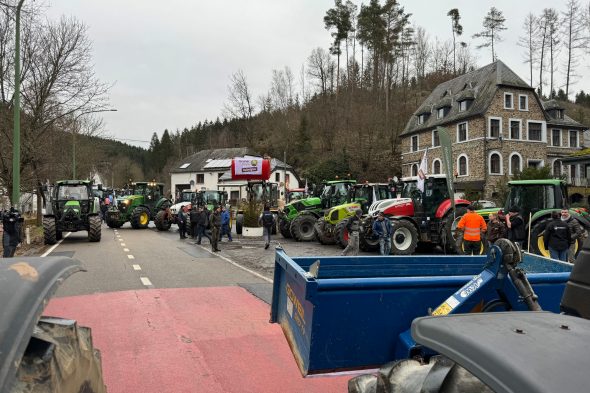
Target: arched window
(415, 170)
(462, 165)
(557, 168)
(436, 167)
(495, 163)
(515, 163)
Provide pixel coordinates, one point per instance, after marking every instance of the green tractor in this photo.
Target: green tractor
(73, 208)
(537, 199)
(298, 219)
(260, 193)
(210, 199)
(330, 227)
(139, 208)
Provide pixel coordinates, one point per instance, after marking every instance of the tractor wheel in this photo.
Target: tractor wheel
(341, 233)
(537, 241)
(324, 237)
(404, 238)
(239, 224)
(49, 233)
(59, 235)
(60, 357)
(302, 228)
(113, 223)
(162, 222)
(368, 242)
(284, 228)
(140, 218)
(274, 227)
(94, 224)
(450, 241)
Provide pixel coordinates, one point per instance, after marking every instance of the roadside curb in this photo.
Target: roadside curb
(235, 263)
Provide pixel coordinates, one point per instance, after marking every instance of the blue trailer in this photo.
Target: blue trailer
(343, 313)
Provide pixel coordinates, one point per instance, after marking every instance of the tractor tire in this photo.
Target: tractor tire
(404, 238)
(368, 242)
(450, 242)
(274, 227)
(302, 228)
(162, 222)
(285, 228)
(94, 226)
(59, 235)
(239, 224)
(538, 245)
(140, 218)
(60, 357)
(323, 236)
(49, 232)
(113, 224)
(440, 375)
(341, 233)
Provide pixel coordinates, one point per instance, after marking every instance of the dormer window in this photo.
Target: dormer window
(422, 118)
(464, 105)
(559, 114)
(440, 113)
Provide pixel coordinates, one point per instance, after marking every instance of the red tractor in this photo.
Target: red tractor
(417, 216)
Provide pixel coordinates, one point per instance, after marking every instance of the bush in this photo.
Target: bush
(252, 211)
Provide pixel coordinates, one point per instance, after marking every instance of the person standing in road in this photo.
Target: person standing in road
(353, 226)
(515, 225)
(182, 219)
(267, 220)
(576, 231)
(473, 226)
(215, 222)
(11, 225)
(382, 229)
(202, 224)
(558, 238)
(225, 229)
(496, 229)
(194, 219)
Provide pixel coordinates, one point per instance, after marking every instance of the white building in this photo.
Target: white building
(204, 170)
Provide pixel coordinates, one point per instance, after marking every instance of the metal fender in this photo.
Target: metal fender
(445, 206)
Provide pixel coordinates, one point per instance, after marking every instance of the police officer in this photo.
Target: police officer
(11, 223)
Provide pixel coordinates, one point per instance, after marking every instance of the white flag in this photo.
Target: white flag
(422, 171)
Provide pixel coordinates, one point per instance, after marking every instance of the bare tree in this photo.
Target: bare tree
(422, 52)
(493, 24)
(319, 66)
(575, 39)
(553, 40)
(457, 31)
(466, 59)
(541, 38)
(529, 43)
(239, 103)
(282, 89)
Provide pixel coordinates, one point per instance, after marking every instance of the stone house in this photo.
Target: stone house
(498, 126)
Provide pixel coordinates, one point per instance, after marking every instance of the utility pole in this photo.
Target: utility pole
(16, 130)
(285, 174)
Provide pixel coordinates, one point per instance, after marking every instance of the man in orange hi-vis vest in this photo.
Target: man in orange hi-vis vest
(472, 225)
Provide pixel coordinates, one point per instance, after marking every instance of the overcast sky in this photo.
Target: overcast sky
(170, 61)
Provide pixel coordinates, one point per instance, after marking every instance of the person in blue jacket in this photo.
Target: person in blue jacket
(225, 229)
(382, 229)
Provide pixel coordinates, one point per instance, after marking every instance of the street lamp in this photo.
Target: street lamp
(74, 136)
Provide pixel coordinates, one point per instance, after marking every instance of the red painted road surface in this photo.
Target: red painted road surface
(189, 340)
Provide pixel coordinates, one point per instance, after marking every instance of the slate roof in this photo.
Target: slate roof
(565, 122)
(210, 160)
(480, 84)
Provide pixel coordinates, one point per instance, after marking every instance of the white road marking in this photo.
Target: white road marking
(126, 249)
(237, 265)
(136, 267)
(123, 245)
(130, 257)
(55, 245)
(146, 281)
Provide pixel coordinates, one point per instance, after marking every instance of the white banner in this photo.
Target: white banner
(422, 172)
(248, 166)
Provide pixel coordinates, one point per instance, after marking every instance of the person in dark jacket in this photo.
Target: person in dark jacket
(202, 224)
(496, 228)
(267, 220)
(382, 229)
(515, 225)
(557, 237)
(194, 219)
(11, 225)
(353, 226)
(576, 231)
(225, 229)
(182, 220)
(215, 222)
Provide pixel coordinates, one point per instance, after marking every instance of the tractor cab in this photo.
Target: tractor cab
(367, 193)
(435, 192)
(533, 196)
(211, 198)
(263, 192)
(152, 191)
(187, 196)
(335, 193)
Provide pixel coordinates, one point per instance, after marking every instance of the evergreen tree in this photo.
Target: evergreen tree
(340, 19)
(457, 31)
(493, 24)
